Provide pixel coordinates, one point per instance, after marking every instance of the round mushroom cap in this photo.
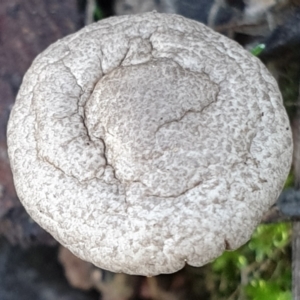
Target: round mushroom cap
(145, 142)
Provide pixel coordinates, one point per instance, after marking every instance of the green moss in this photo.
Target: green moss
(260, 270)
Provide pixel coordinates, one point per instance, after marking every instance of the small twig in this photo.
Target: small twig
(296, 225)
(234, 294)
(89, 11)
(296, 260)
(156, 292)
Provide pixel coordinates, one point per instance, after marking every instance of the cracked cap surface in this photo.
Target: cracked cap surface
(145, 142)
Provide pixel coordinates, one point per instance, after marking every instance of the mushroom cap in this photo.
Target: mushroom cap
(145, 142)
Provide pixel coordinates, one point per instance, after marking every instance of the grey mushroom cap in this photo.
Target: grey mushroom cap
(145, 142)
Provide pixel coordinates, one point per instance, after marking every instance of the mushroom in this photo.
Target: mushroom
(146, 142)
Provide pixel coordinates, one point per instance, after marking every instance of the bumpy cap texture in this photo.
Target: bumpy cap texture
(146, 142)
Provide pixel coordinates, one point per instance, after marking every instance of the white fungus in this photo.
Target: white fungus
(145, 142)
